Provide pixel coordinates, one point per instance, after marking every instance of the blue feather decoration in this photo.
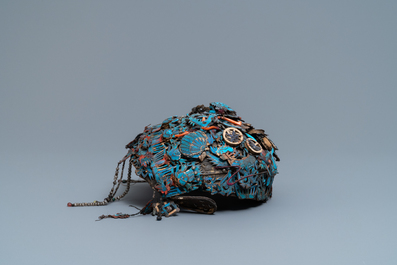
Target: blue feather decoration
(193, 144)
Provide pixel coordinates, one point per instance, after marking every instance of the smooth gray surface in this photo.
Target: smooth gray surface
(78, 81)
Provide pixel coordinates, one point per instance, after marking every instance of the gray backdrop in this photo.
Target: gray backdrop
(80, 79)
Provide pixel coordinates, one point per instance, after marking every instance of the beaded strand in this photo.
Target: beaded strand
(116, 181)
(119, 215)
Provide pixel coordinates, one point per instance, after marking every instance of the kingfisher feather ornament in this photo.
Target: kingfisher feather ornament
(187, 159)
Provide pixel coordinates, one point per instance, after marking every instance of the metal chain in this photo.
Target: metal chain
(113, 191)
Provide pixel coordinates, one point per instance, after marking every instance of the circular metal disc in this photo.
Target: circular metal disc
(253, 146)
(232, 136)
